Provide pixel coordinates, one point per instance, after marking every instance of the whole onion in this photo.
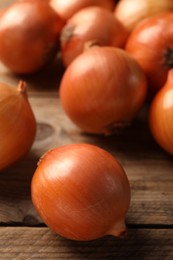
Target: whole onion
(81, 192)
(17, 124)
(29, 35)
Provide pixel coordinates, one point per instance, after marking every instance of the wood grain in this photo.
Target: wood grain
(41, 243)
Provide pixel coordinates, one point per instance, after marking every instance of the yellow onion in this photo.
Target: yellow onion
(17, 124)
(102, 90)
(83, 28)
(81, 192)
(161, 115)
(131, 12)
(29, 36)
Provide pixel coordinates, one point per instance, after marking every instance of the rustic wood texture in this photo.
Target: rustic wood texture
(41, 243)
(23, 235)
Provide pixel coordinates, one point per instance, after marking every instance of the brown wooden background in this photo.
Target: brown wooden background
(23, 235)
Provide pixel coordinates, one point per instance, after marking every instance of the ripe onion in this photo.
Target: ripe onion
(102, 90)
(87, 26)
(131, 12)
(29, 35)
(81, 192)
(17, 124)
(151, 45)
(68, 8)
(161, 115)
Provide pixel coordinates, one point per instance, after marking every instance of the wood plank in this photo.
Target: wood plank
(41, 243)
(148, 167)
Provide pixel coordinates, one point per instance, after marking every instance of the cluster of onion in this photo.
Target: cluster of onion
(95, 68)
(95, 187)
(81, 178)
(25, 46)
(151, 45)
(84, 179)
(103, 89)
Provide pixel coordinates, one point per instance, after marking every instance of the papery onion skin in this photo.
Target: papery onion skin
(161, 115)
(88, 27)
(66, 9)
(81, 192)
(2, 10)
(151, 45)
(17, 124)
(132, 12)
(29, 35)
(102, 90)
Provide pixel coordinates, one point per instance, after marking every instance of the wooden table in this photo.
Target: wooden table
(23, 235)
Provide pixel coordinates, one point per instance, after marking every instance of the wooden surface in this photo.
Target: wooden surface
(23, 235)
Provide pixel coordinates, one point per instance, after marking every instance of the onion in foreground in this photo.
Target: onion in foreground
(81, 192)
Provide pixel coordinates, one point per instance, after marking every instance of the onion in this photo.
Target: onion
(2, 10)
(151, 45)
(81, 192)
(17, 124)
(88, 27)
(29, 35)
(131, 12)
(68, 8)
(102, 90)
(161, 115)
